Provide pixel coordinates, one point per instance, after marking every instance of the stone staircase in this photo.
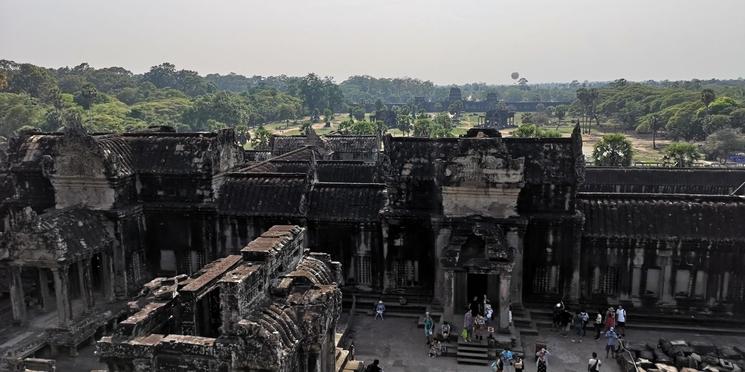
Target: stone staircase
(473, 353)
(414, 308)
(523, 322)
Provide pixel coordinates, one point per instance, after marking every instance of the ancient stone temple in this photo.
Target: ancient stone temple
(272, 308)
(88, 219)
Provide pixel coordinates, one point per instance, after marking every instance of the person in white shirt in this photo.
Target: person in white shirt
(593, 365)
(621, 320)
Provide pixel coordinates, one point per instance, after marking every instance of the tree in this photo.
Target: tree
(654, 124)
(526, 118)
(223, 107)
(363, 127)
(681, 154)
(531, 130)
(357, 112)
(425, 127)
(613, 150)
(713, 123)
(523, 83)
(87, 96)
(723, 143)
(443, 120)
(560, 112)
(707, 96)
(260, 138)
(328, 115)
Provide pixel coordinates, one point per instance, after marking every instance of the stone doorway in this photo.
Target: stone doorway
(477, 285)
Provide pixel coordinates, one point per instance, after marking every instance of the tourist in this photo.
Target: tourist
(475, 305)
(488, 311)
(519, 365)
(593, 365)
(379, 310)
(558, 311)
(598, 324)
(610, 319)
(445, 329)
(468, 323)
(577, 323)
(566, 320)
(429, 327)
(541, 361)
(435, 349)
(497, 365)
(585, 319)
(610, 346)
(507, 358)
(351, 351)
(479, 325)
(621, 320)
(374, 367)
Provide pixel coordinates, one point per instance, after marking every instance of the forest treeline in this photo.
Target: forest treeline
(115, 99)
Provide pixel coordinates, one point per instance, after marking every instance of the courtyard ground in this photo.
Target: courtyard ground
(399, 345)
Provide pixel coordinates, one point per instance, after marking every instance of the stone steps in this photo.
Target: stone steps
(472, 353)
(342, 356)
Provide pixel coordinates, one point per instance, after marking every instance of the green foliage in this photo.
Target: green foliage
(681, 154)
(426, 127)
(357, 112)
(724, 142)
(532, 130)
(707, 96)
(319, 94)
(362, 127)
(260, 138)
(713, 123)
(442, 119)
(19, 110)
(224, 107)
(613, 150)
(722, 106)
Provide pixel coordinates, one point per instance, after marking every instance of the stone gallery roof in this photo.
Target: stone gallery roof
(346, 202)
(336, 143)
(57, 236)
(663, 180)
(263, 194)
(125, 154)
(358, 144)
(346, 171)
(663, 216)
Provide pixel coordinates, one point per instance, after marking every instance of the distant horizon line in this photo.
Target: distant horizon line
(437, 84)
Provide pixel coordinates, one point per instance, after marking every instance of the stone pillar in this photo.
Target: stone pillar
(84, 280)
(515, 238)
(62, 294)
(667, 279)
(442, 239)
(46, 298)
(120, 264)
(17, 297)
(505, 281)
(386, 273)
(448, 294)
(577, 227)
(107, 275)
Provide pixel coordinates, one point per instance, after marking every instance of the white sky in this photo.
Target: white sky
(454, 41)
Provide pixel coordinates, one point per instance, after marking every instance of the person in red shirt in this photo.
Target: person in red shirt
(610, 319)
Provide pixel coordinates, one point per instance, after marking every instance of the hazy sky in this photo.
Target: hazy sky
(443, 41)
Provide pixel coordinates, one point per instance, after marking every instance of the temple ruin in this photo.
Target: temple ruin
(89, 220)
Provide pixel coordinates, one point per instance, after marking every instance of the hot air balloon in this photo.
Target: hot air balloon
(515, 75)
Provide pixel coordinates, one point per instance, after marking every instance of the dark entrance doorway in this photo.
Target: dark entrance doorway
(477, 286)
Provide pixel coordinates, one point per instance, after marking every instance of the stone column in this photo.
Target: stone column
(386, 273)
(666, 261)
(442, 238)
(62, 294)
(84, 280)
(515, 238)
(120, 265)
(448, 293)
(107, 275)
(46, 298)
(505, 280)
(17, 297)
(577, 227)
